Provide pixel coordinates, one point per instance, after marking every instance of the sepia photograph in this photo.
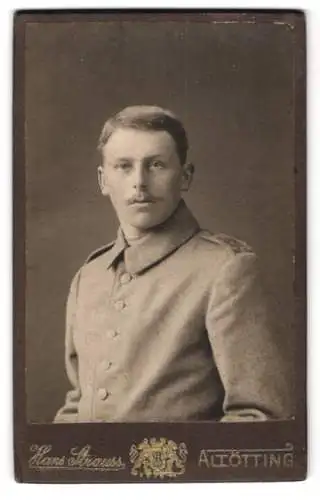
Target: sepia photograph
(160, 176)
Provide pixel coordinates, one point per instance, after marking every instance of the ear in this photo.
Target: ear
(102, 181)
(187, 176)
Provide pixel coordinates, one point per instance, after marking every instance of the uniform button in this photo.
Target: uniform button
(112, 333)
(102, 393)
(125, 278)
(105, 366)
(119, 305)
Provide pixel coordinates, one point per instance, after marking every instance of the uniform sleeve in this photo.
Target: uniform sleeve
(69, 412)
(246, 349)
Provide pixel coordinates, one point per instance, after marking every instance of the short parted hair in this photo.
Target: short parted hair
(149, 118)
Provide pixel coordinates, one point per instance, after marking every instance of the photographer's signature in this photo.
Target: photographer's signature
(78, 458)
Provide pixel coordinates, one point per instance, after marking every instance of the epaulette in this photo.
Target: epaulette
(237, 246)
(99, 251)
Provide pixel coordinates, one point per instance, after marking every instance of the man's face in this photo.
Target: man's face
(142, 174)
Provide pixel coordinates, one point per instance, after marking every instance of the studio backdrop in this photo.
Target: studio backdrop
(232, 87)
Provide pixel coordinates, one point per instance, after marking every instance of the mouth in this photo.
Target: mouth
(141, 204)
(141, 201)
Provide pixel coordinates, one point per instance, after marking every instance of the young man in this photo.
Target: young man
(168, 322)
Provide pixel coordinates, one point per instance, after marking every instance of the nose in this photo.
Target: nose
(139, 176)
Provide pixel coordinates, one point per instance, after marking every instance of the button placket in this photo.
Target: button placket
(117, 305)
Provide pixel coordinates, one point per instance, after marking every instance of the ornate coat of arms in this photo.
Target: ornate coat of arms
(158, 458)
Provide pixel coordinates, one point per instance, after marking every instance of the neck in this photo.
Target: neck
(132, 240)
(132, 235)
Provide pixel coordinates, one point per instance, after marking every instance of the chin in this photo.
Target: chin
(145, 223)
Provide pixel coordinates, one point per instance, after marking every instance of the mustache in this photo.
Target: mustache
(140, 198)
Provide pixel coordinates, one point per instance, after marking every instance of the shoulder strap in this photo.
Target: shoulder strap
(236, 245)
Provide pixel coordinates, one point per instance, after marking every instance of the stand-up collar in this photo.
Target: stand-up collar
(158, 243)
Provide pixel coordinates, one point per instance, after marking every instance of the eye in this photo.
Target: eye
(123, 165)
(157, 164)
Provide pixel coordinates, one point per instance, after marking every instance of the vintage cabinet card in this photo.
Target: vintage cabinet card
(159, 246)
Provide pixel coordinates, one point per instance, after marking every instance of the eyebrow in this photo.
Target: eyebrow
(148, 158)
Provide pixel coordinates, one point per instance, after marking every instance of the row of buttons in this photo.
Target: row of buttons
(119, 306)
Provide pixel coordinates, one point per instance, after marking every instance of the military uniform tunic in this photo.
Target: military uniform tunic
(172, 328)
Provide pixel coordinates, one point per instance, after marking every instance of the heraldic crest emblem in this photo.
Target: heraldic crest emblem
(158, 458)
